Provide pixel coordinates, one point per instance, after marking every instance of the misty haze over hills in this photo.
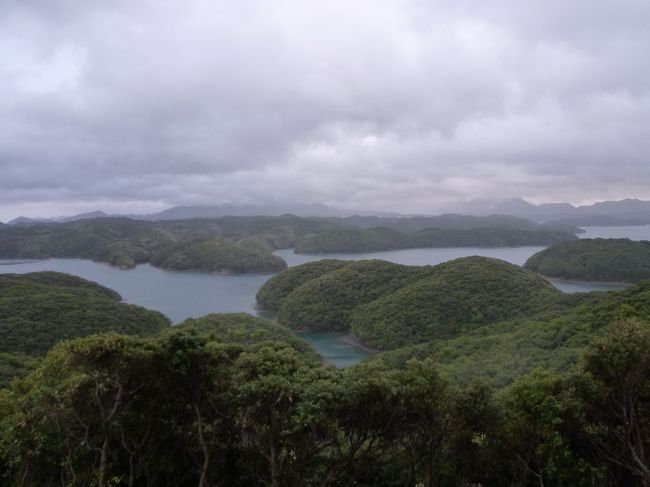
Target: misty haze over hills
(215, 211)
(605, 213)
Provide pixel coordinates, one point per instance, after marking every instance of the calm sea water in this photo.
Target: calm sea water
(181, 295)
(633, 233)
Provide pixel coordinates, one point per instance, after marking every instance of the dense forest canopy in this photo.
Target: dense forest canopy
(457, 297)
(188, 408)
(552, 339)
(245, 329)
(327, 301)
(40, 309)
(281, 285)
(595, 260)
(390, 305)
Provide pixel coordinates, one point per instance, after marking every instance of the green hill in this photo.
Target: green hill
(220, 255)
(125, 243)
(273, 291)
(459, 295)
(327, 302)
(595, 260)
(37, 310)
(389, 305)
(488, 237)
(553, 339)
(353, 240)
(382, 238)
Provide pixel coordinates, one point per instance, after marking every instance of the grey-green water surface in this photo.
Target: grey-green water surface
(181, 295)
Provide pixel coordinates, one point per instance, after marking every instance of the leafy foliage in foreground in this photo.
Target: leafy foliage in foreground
(189, 409)
(597, 259)
(40, 309)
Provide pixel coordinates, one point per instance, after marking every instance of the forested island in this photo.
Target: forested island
(245, 244)
(382, 238)
(226, 245)
(616, 260)
(40, 309)
(390, 305)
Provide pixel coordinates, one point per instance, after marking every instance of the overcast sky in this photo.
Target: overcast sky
(400, 105)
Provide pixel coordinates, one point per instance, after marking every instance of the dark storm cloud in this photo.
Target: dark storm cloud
(390, 104)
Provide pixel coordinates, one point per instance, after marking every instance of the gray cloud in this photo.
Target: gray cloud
(386, 104)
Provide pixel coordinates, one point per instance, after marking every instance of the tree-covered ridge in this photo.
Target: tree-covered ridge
(245, 329)
(218, 255)
(186, 408)
(271, 294)
(246, 243)
(390, 305)
(489, 237)
(242, 243)
(381, 238)
(553, 339)
(327, 302)
(595, 260)
(353, 240)
(40, 309)
(457, 297)
(11, 283)
(449, 220)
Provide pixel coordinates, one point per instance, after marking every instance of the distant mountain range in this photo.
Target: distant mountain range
(22, 220)
(313, 209)
(606, 213)
(216, 211)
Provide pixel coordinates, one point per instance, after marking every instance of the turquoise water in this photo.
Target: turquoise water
(181, 295)
(333, 348)
(570, 287)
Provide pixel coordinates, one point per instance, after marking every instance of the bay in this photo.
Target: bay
(182, 295)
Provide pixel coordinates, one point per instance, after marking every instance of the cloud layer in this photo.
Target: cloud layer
(136, 105)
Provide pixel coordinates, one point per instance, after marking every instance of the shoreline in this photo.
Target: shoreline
(355, 342)
(579, 281)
